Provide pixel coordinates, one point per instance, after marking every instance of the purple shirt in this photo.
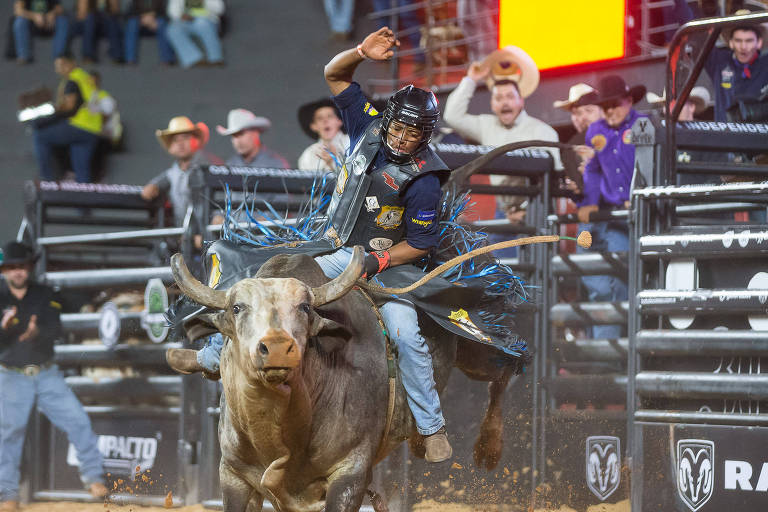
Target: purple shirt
(607, 177)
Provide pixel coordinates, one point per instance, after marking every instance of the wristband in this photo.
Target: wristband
(361, 53)
(375, 262)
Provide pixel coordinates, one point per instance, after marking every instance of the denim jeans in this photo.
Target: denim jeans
(414, 359)
(60, 405)
(94, 25)
(339, 13)
(606, 237)
(180, 34)
(81, 144)
(133, 30)
(22, 36)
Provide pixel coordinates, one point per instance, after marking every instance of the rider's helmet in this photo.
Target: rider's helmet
(414, 107)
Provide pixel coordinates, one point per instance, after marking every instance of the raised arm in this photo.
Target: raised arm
(378, 46)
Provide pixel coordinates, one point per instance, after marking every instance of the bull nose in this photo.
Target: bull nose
(278, 350)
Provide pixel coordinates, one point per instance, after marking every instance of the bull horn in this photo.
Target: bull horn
(462, 174)
(344, 282)
(193, 288)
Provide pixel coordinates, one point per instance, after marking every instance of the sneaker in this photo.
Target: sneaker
(183, 360)
(9, 506)
(98, 490)
(438, 449)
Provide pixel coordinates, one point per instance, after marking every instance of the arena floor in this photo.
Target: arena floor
(425, 506)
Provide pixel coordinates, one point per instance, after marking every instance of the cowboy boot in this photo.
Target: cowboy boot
(438, 449)
(9, 506)
(98, 490)
(183, 360)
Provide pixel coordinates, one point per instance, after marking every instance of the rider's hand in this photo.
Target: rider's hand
(375, 262)
(379, 45)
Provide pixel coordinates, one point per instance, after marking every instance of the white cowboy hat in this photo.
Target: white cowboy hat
(181, 124)
(699, 96)
(575, 93)
(512, 64)
(240, 119)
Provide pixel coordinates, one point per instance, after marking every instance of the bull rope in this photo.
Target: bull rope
(584, 240)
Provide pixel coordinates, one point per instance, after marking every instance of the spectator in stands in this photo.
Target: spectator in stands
(38, 17)
(406, 21)
(698, 101)
(147, 17)
(94, 18)
(607, 179)
(29, 327)
(183, 181)
(339, 13)
(321, 121)
(738, 72)
(104, 104)
(198, 19)
(72, 126)
(582, 106)
(511, 76)
(245, 129)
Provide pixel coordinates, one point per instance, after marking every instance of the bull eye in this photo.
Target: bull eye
(236, 309)
(304, 307)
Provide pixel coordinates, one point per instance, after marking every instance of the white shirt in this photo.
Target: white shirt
(487, 130)
(309, 160)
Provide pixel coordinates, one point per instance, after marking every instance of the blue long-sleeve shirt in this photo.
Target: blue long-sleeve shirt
(732, 79)
(607, 177)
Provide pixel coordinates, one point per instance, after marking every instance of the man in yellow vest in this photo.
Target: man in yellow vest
(72, 125)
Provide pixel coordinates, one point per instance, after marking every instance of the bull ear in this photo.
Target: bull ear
(193, 288)
(329, 334)
(344, 282)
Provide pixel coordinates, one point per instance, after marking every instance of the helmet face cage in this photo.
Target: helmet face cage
(412, 107)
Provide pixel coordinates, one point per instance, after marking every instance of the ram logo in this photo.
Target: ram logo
(603, 465)
(695, 471)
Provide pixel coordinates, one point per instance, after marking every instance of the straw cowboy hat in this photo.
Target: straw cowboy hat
(514, 65)
(17, 253)
(613, 87)
(240, 119)
(699, 96)
(181, 124)
(578, 95)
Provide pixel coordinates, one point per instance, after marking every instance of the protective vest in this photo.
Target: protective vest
(367, 205)
(84, 118)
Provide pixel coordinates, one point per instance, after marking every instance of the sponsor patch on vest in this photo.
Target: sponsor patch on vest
(358, 165)
(371, 203)
(598, 142)
(380, 244)
(341, 181)
(390, 181)
(368, 109)
(390, 217)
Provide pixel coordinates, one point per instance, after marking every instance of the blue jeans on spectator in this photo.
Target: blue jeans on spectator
(180, 34)
(81, 144)
(606, 237)
(18, 394)
(22, 36)
(339, 13)
(414, 359)
(97, 24)
(133, 30)
(405, 20)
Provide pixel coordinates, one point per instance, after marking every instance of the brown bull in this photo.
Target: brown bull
(306, 386)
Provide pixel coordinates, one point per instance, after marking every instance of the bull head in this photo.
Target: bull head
(268, 320)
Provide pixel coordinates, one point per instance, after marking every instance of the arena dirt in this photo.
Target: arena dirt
(425, 506)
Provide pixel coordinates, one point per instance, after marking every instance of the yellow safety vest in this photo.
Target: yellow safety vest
(84, 118)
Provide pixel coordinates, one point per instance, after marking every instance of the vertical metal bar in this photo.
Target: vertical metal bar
(394, 23)
(430, 22)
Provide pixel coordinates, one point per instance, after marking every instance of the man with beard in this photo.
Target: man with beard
(29, 326)
(245, 129)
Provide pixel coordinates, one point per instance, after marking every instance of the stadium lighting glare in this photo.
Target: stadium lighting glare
(564, 33)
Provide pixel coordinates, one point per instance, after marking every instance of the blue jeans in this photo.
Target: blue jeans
(180, 34)
(94, 25)
(606, 237)
(60, 405)
(339, 13)
(414, 359)
(22, 36)
(81, 144)
(133, 30)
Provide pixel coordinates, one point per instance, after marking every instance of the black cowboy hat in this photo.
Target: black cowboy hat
(307, 114)
(612, 87)
(17, 253)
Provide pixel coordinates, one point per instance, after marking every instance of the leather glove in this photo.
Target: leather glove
(375, 262)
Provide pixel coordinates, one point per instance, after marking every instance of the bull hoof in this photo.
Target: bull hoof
(487, 452)
(183, 360)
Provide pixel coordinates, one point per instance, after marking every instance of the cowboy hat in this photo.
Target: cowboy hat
(613, 87)
(181, 124)
(512, 64)
(578, 95)
(17, 253)
(240, 119)
(728, 31)
(699, 96)
(307, 111)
